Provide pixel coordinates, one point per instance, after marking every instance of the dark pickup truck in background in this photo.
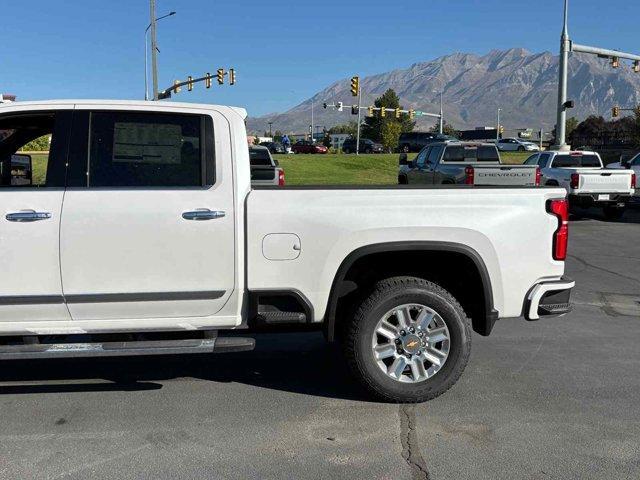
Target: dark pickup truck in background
(454, 162)
(264, 168)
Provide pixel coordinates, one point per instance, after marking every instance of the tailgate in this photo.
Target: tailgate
(505, 175)
(263, 176)
(609, 181)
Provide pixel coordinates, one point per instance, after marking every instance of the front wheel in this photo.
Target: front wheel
(409, 340)
(613, 213)
(521, 149)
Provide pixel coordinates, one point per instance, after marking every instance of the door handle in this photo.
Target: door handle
(27, 216)
(203, 214)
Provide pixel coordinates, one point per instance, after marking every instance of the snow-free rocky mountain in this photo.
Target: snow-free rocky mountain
(522, 84)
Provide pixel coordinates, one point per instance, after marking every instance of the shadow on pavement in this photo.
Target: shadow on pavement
(632, 215)
(294, 362)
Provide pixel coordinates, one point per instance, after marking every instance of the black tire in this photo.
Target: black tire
(386, 295)
(613, 213)
(521, 149)
(368, 150)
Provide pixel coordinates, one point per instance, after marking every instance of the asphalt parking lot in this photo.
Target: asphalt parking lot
(556, 399)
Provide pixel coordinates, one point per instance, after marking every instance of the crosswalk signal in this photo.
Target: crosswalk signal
(370, 111)
(220, 75)
(615, 112)
(232, 76)
(412, 114)
(615, 62)
(355, 86)
(383, 112)
(339, 106)
(190, 83)
(176, 87)
(354, 109)
(207, 80)
(397, 112)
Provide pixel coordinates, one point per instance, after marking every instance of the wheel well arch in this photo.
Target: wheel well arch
(436, 261)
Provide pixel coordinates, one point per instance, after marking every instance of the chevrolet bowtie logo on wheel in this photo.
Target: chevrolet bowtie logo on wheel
(412, 344)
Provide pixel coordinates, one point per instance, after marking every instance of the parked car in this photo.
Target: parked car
(516, 145)
(416, 141)
(366, 146)
(164, 247)
(274, 147)
(264, 169)
(305, 146)
(632, 163)
(586, 181)
(467, 163)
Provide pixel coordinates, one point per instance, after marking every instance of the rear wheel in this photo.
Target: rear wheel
(409, 340)
(613, 213)
(521, 148)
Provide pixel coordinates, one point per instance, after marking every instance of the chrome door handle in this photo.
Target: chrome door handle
(203, 214)
(27, 216)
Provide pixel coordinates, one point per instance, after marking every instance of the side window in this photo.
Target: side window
(532, 160)
(542, 161)
(130, 149)
(635, 161)
(434, 155)
(33, 149)
(422, 156)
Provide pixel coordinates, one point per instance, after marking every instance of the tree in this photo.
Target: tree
(447, 129)
(373, 128)
(570, 125)
(390, 134)
(277, 136)
(635, 127)
(350, 128)
(40, 144)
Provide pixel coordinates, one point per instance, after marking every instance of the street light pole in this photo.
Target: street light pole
(498, 126)
(565, 46)
(311, 132)
(270, 123)
(441, 117)
(146, 47)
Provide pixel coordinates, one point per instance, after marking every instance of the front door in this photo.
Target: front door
(148, 220)
(31, 193)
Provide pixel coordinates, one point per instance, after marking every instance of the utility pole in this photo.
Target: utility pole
(541, 137)
(498, 126)
(442, 117)
(270, 123)
(565, 47)
(154, 48)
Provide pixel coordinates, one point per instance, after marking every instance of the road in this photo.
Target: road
(555, 399)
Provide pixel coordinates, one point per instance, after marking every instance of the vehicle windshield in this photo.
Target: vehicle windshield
(576, 161)
(471, 153)
(259, 157)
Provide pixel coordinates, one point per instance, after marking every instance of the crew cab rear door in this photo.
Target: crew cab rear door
(148, 219)
(31, 194)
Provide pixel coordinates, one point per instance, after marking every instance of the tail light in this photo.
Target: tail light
(280, 177)
(538, 176)
(575, 180)
(633, 180)
(469, 175)
(560, 208)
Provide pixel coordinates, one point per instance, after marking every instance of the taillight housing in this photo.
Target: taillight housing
(560, 208)
(469, 175)
(633, 180)
(575, 180)
(280, 177)
(538, 176)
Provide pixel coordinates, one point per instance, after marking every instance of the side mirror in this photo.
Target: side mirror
(21, 169)
(625, 163)
(403, 159)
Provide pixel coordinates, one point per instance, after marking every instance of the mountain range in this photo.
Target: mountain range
(522, 84)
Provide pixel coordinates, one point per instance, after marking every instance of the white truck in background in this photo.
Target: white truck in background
(161, 245)
(586, 181)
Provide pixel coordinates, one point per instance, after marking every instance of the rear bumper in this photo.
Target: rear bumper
(549, 299)
(588, 199)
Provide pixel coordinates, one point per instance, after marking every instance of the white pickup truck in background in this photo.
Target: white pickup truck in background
(143, 235)
(265, 170)
(587, 182)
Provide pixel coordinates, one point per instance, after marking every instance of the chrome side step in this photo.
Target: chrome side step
(121, 349)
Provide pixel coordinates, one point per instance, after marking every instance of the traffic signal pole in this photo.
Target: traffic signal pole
(359, 121)
(154, 48)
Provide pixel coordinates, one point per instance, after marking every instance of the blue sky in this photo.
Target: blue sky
(284, 52)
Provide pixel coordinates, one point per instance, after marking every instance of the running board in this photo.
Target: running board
(122, 349)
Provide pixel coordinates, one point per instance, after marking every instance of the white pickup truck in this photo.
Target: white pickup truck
(140, 233)
(587, 182)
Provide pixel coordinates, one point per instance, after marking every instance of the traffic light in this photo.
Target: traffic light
(339, 106)
(232, 76)
(190, 84)
(324, 105)
(355, 86)
(354, 109)
(615, 62)
(383, 112)
(370, 111)
(220, 75)
(501, 129)
(636, 66)
(397, 112)
(207, 80)
(615, 112)
(176, 88)
(412, 114)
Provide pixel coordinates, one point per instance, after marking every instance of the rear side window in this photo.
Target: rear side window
(259, 157)
(128, 149)
(464, 153)
(576, 161)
